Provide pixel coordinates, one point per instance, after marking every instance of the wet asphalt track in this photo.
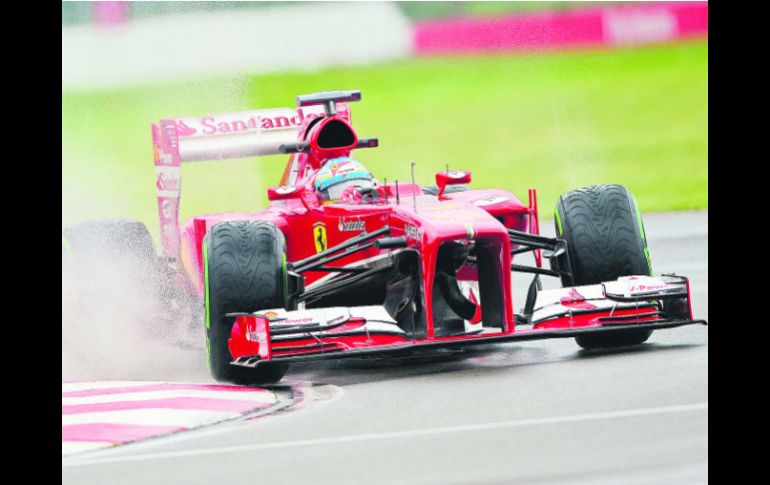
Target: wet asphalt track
(537, 412)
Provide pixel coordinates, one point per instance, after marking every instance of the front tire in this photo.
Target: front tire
(605, 240)
(244, 271)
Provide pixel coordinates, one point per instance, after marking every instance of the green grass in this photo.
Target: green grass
(638, 117)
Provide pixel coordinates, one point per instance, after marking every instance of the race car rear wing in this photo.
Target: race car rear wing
(217, 137)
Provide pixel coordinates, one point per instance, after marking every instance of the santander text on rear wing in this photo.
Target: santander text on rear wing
(217, 137)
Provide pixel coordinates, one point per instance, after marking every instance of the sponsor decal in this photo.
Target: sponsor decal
(471, 231)
(169, 141)
(289, 320)
(251, 333)
(647, 288)
(222, 124)
(262, 329)
(166, 209)
(456, 174)
(575, 300)
(644, 284)
(164, 158)
(490, 200)
(342, 168)
(412, 232)
(183, 129)
(300, 320)
(319, 237)
(168, 179)
(349, 225)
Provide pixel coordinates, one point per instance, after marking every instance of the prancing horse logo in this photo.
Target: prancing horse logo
(319, 237)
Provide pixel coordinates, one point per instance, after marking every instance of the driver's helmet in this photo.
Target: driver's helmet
(339, 174)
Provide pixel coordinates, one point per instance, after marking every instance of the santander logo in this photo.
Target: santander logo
(183, 129)
(217, 125)
(166, 181)
(575, 300)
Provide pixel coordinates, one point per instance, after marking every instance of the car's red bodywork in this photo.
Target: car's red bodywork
(426, 222)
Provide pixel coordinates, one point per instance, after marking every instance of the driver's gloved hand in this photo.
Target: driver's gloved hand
(368, 194)
(361, 195)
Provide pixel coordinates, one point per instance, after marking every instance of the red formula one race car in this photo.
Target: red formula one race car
(343, 265)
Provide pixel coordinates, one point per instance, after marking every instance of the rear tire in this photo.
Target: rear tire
(243, 272)
(110, 256)
(115, 290)
(119, 240)
(605, 240)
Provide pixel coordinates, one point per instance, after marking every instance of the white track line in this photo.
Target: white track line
(181, 418)
(395, 434)
(261, 397)
(88, 386)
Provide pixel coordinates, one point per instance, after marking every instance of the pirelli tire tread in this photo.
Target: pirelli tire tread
(244, 273)
(605, 240)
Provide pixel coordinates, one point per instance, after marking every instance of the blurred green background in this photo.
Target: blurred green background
(556, 121)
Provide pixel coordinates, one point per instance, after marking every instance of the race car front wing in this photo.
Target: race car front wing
(634, 302)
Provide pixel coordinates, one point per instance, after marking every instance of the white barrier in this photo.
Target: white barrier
(172, 47)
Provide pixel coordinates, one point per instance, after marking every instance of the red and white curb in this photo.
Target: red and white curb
(106, 413)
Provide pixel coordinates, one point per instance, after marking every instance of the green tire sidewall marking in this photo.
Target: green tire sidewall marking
(206, 285)
(285, 276)
(639, 219)
(647, 255)
(641, 231)
(558, 220)
(206, 291)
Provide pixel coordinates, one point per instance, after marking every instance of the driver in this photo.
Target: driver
(346, 180)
